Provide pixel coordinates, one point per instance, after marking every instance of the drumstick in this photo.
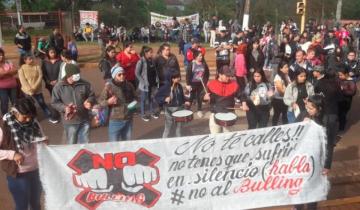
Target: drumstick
(233, 108)
(202, 82)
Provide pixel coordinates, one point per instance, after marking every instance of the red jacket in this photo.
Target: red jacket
(129, 64)
(190, 54)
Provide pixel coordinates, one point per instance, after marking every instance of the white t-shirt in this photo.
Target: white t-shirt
(277, 78)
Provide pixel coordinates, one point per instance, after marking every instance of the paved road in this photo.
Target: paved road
(345, 175)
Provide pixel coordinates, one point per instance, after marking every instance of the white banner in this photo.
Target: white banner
(241, 170)
(157, 19)
(90, 17)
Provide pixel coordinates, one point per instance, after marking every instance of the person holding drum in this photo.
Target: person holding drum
(119, 95)
(256, 100)
(171, 97)
(222, 92)
(197, 75)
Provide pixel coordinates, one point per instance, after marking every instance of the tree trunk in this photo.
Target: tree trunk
(338, 10)
(245, 24)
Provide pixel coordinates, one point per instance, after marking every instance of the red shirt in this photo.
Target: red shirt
(129, 64)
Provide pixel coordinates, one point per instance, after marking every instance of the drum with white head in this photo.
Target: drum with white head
(183, 116)
(225, 119)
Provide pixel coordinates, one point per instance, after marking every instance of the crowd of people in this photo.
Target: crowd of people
(308, 76)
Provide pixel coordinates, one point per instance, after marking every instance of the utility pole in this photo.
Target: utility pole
(301, 10)
(303, 18)
(338, 11)
(246, 18)
(19, 11)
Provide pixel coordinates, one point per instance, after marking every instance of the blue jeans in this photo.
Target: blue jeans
(5, 95)
(120, 130)
(26, 190)
(23, 52)
(291, 117)
(41, 101)
(77, 133)
(147, 97)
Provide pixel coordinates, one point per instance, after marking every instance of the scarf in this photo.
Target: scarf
(23, 133)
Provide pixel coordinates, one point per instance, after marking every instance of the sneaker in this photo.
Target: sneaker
(155, 116)
(145, 118)
(53, 121)
(200, 114)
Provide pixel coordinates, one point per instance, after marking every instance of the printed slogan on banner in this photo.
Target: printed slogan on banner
(240, 170)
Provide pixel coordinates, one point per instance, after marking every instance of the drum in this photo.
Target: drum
(183, 116)
(225, 119)
(132, 106)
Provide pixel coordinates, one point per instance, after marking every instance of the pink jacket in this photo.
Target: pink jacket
(240, 65)
(7, 81)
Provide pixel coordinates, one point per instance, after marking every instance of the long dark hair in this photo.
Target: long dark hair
(281, 74)
(144, 50)
(298, 72)
(107, 50)
(162, 47)
(51, 49)
(318, 101)
(253, 84)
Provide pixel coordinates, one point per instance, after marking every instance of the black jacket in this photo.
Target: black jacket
(163, 65)
(165, 91)
(331, 90)
(50, 70)
(24, 39)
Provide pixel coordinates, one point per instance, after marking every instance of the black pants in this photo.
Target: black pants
(242, 83)
(279, 109)
(258, 116)
(221, 63)
(197, 93)
(310, 206)
(344, 108)
(330, 122)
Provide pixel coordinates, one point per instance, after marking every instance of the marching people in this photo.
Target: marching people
(31, 76)
(56, 41)
(281, 81)
(128, 59)
(256, 100)
(255, 57)
(117, 95)
(171, 97)
(296, 93)
(353, 64)
(73, 97)
(300, 62)
(314, 111)
(20, 133)
(50, 68)
(240, 66)
(348, 91)
(147, 75)
(107, 62)
(222, 48)
(23, 41)
(8, 83)
(164, 61)
(221, 95)
(66, 58)
(197, 76)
